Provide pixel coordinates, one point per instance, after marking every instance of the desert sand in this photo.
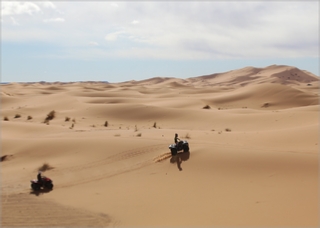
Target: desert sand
(253, 160)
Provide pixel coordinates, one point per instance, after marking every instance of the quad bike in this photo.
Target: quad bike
(182, 145)
(46, 184)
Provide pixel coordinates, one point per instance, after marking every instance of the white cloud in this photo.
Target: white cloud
(194, 29)
(114, 5)
(93, 43)
(113, 36)
(14, 8)
(14, 22)
(59, 19)
(48, 4)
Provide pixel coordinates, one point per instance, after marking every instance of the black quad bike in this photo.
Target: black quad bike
(45, 184)
(182, 145)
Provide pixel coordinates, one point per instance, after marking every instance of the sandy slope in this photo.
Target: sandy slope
(253, 158)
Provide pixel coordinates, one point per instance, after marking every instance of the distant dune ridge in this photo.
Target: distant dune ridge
(253, 160)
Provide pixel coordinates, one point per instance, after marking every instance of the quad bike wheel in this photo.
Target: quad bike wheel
(186, 149)
(49, 186)
(35, 187)
(174, 151)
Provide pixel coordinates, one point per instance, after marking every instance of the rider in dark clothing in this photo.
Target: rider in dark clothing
(176, 139)
(39, 177)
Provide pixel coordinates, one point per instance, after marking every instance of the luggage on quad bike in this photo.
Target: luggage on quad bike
(46, 183)
(182, 145)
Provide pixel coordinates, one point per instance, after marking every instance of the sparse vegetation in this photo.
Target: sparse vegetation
(135, 128)
(45, 167)
(206, 107)
(5, 118)
(67, 119)
(17, 116)
(4, 158)
(74, 120)
(155, 124)
(106, 124)
(72, 126)
(51, 115)
(117, 135)
(29, 118)
(228, 129)
(187, 136)
(139, 134)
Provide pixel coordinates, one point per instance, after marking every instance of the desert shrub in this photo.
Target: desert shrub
(5, 118)
(135, 128)
(155, 124)
(51, 115)
(29, 118)
(106, 124)
(228, 129)
(45, 167)
(74, 120)
(17, 116)
(67, 119)
(139, 134)
(72, 126)
(206, 107)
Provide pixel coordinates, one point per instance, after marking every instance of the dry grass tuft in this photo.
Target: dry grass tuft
(139, 134)
(228, 129)
(67, 119)
(117, 135)
(135, 128)
(106, 124)
(29, 118)
(5, 118)
(207, 107)
(45, 167)
(187, 136)
(17, 116)
(155, 124)
(51, 115)
(3, 158)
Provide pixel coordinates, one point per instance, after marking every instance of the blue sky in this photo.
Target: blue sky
(119, 41)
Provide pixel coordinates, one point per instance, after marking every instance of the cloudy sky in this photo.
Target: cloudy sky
(134, 40)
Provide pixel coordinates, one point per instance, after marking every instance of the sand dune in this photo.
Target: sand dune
(253, 134)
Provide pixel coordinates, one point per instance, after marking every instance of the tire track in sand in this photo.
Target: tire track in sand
(24, 209)
(127, 154)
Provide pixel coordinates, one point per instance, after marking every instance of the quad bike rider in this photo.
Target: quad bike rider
(178, 145)
(41, 182)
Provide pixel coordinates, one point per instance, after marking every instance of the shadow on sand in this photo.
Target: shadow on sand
(179, 158)
(39, 192)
